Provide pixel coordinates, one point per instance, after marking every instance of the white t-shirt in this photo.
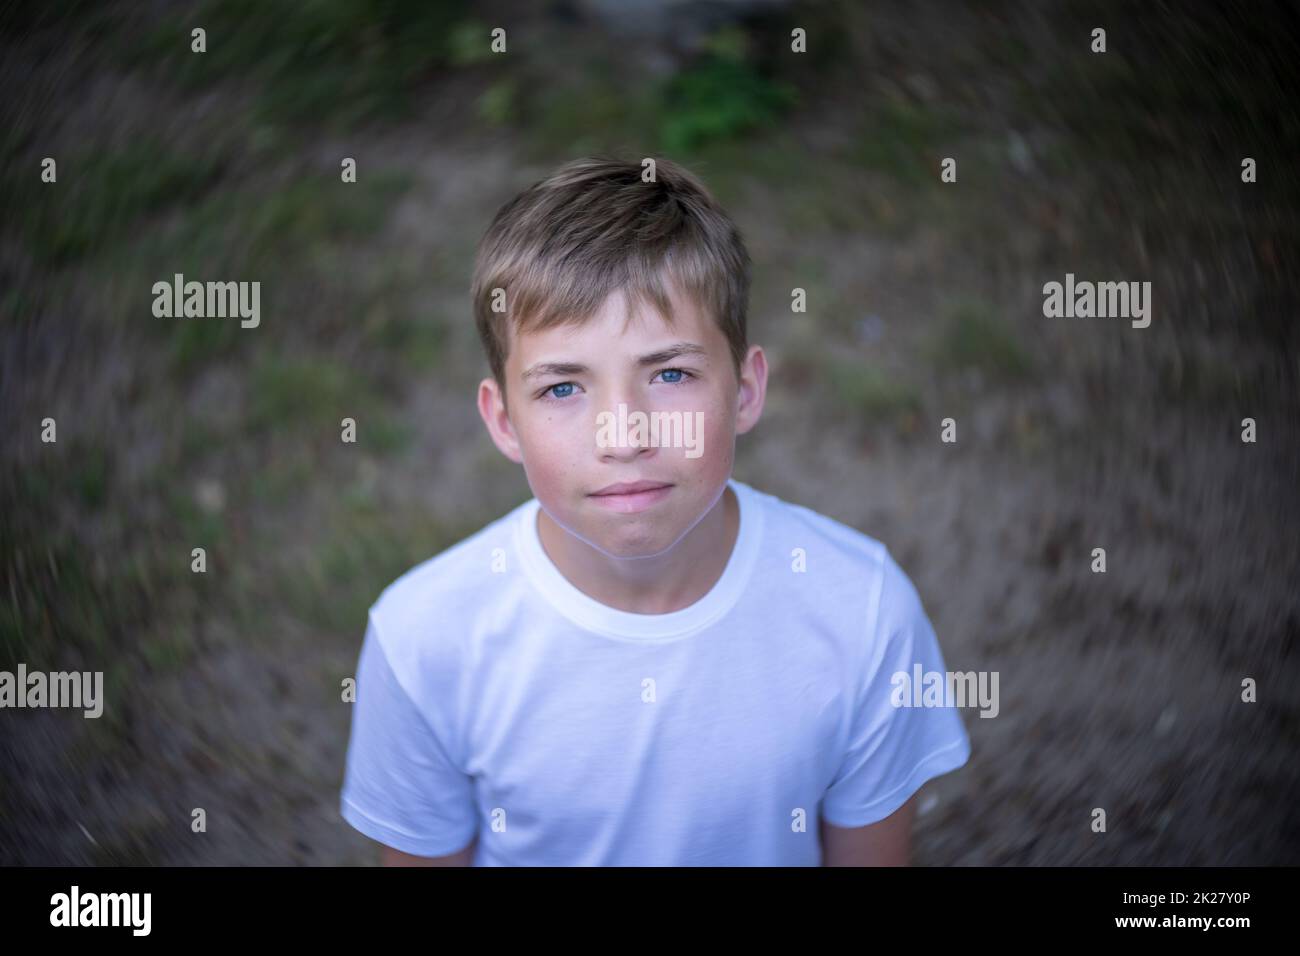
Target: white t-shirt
(494, 697)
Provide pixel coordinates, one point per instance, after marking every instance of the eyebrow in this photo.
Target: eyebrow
(651, 358)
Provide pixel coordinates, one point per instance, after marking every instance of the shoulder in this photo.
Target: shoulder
(828, 547)
(850, 572)
(414, 615)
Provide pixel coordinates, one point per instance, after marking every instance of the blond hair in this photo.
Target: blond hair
(563, 245)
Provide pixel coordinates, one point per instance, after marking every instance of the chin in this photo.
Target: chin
(639, 543)
(636, 536)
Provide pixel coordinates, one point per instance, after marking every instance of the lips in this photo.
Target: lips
(629, 488)
(631, 497)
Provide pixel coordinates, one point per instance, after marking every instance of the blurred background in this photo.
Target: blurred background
(1119, 690)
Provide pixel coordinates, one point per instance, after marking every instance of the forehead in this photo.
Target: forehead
(619, 327)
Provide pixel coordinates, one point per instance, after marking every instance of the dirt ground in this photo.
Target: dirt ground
(1120, 690)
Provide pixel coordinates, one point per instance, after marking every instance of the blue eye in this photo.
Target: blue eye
(679, 375)
(562, 390)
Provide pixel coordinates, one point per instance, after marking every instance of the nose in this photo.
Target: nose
(623, 433)
(617, 454)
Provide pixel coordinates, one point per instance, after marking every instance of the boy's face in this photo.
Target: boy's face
(561, 380)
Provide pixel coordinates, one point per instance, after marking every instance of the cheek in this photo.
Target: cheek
(551, 443)
(720, 418)
(717, 435)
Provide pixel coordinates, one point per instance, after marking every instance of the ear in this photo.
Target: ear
(492, 409)
(753, 389)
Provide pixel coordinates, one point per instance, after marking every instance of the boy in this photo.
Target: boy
(649, 663)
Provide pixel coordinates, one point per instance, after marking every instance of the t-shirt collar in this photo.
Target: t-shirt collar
(587, 612)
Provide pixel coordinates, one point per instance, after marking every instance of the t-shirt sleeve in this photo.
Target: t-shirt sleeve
(893, 750)
(401, 785)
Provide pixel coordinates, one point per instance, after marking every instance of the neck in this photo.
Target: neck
(666, 582)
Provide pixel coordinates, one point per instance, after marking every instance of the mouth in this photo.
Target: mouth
(631, 496)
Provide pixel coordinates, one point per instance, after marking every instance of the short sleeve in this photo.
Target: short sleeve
(401, 786)
(892, 750)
